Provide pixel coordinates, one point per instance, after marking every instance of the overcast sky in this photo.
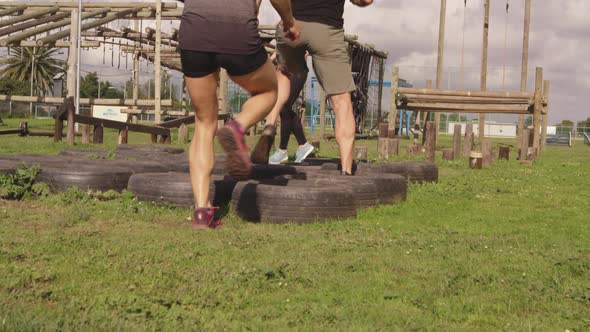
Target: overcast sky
(408, 30)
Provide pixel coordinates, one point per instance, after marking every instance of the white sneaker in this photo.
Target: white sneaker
(303, 152)
(278, 157)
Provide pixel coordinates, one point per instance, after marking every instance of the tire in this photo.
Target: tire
(318, 161)
(414, 171)
(84, 177)
(391, 188)
(260, 172)
(175, 188)
(148, 149)
(87, 154)
(280, 204)
(8, 167)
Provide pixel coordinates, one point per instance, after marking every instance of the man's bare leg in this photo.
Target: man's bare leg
(201, 153)
(345, 129)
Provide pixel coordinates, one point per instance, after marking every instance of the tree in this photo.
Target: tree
(40, 61)
(89, 88)
(566, 123)
(14, 87)
(584, 124)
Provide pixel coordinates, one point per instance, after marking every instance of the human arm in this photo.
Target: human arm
(362, 3)
(290, 26)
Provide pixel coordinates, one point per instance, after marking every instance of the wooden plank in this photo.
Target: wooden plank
(463, 99)
(464, 93)
(85, 101)
(114, 5)
(121, 125)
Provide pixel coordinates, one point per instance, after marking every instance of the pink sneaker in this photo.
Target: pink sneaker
(205, 219)
(231, 138)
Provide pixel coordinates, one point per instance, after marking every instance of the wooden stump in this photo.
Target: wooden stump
(391, 133)
(183, 134)
(527, 163)
(448, 154)
(468, 142)
(98, 135)
(475, 160)
(85, 129)
(413, 149)
(430, 145)
(486, 150)
(388, 148)
(59, 127)
(123, 136)
(361, 153)
(457, 140)
(383, 130)
(532, 154)
(154, 138)
(71, 129)
(504, 153)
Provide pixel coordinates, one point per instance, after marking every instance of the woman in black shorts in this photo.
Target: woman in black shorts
(224, 34)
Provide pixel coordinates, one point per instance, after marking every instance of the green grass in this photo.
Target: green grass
(505, 248)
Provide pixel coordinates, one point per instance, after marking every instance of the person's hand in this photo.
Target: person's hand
(292, 30)
(362, 3)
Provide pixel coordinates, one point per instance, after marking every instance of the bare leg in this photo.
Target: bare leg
(345, 129)
(262, 84)
(201, 153)
(282, 99)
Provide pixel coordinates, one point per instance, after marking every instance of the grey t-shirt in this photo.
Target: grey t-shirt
(220, 26)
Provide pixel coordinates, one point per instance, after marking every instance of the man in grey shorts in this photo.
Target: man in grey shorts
(322, 35)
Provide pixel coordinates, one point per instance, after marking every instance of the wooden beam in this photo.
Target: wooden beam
(484, 64)
(90, 25)
(525, 59)
(47, 27)
(84, 101)
(12, 10)
(26, 17)
(158, 61)
(393, 102)
(121, 125)
(538, 107)
(486, 94)
(468, 108)
(546, 88)
(114, 5)
(440, 56)
(33, 23)
(462, 99)
(60, 43)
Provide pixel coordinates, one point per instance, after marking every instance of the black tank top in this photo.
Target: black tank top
(328, 12)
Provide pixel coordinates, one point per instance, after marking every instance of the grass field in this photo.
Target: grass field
(506, 248)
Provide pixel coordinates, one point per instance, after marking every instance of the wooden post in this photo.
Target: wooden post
(504, 153)
(468, 143)
(85, 129)
(322, 113)
(383, 130)
(486, 151)
(448, 154)
(430, 145)
(393, 146)
(484, 64)
(158, 63)
(136, 72)
(123, 136)
(531, 154)
(475, 160)
(383, 148)
(457, 140)
(426, 114)
(98, 134)
(393, 103)
(525, 61)
(545, 115)
(183, 134)
(538, 108)
(440, 56)
(390, 133)
(71, 76)
(380, 91)
(524, 144)
(361, 153)
(154, 138)
(222, 95)
(412, 149)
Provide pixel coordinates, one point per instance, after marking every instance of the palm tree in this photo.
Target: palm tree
(39, 61)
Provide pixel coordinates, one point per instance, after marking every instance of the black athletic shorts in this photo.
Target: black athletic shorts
(200, 64)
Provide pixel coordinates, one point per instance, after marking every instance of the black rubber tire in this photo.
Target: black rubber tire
(336, 166)
(85, 177)
(414, 171)
(148, 149)
(391, 188)
(87, 154)
(280, 204)
(318, 161)
(260, 172)
(8, 166)
(175, 188)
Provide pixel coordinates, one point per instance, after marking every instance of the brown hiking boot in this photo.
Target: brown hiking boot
(262, 149)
